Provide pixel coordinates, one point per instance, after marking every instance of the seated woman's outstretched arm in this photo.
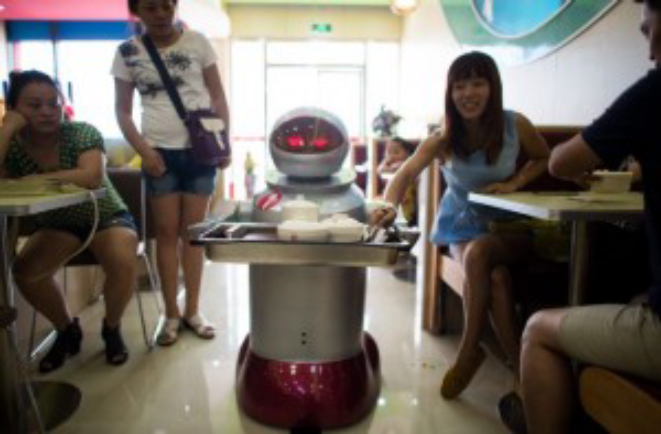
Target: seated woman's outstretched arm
(405, 176)
(89, 172)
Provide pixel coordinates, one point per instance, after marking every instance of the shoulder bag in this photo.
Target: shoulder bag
(207, 131)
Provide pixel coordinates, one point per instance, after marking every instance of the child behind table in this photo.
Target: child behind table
(398, 151)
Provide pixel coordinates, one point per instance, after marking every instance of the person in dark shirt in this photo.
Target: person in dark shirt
(625, 338)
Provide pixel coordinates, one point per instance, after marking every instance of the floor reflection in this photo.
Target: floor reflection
(189, 387)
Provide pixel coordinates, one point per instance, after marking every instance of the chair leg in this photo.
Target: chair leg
(149, 341)
(142, 319)
(443, 308)
(33, 327)
(43, 344)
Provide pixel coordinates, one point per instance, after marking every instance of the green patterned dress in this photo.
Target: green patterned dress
(76, 139)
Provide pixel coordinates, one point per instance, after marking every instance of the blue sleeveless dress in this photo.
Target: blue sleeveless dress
(459, 220)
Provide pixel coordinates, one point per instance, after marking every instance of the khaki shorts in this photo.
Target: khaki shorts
(624, 338)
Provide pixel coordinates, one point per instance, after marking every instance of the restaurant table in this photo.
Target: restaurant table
(576, 208)
(20, 409)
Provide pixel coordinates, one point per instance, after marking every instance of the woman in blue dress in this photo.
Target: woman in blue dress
(477, 147)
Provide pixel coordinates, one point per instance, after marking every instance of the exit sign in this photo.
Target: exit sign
(321, 28)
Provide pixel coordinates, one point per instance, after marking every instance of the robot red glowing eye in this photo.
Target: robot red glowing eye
(320, 143)
(295, 142)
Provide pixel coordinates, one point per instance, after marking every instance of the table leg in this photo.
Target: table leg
(18, 408)
(580, 253)
(25, 406)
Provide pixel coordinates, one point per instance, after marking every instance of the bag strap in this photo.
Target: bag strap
(165, 77)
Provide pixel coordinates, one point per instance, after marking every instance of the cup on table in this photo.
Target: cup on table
(611, 182)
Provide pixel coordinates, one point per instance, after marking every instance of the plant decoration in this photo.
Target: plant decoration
(385, 123)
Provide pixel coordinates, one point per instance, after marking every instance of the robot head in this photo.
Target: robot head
(308, 143)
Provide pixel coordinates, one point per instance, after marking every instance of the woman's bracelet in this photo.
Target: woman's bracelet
(387, 206)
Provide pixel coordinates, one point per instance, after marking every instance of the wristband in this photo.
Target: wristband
(387, 206)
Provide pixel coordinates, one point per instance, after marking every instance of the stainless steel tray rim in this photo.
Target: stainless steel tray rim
(236, 248)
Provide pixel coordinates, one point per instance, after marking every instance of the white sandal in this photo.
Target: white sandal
(200, 326)
(169, 332)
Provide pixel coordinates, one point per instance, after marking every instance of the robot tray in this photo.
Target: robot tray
(258, 243)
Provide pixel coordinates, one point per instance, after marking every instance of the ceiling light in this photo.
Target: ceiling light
(403, 7)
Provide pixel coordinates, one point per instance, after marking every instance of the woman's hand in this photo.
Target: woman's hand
(500, 188)
(14, 121)
(383, 216)
(585, 180)
(153, 163)
(225, 163)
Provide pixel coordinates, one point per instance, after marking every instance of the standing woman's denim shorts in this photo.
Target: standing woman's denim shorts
(182, 175)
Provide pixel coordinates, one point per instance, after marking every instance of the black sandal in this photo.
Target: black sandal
(66, 344)
(510, 408)
(116, 352)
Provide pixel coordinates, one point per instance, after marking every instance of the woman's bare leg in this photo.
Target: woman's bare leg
(43, 254)
(194, 210)
(167, 216)
(479, 258)
(115, 249)
(503, 316)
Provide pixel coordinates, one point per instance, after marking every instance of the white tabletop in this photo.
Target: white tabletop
(17, 205)
(566, 205)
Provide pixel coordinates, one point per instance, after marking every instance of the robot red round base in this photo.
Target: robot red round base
(309, 395)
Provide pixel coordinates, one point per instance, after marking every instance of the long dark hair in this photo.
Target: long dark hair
(475, 65)
(19, 80)
(655, 5)
(407, 145)
(133, 5)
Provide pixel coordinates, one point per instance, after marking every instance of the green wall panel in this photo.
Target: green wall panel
(382, 3)
(472, 32)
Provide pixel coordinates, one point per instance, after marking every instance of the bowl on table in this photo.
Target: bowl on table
(611, 182)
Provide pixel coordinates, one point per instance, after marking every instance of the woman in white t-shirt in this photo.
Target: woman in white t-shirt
(179, 189)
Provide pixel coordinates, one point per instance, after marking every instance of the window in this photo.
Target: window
(37, 55)
(92, 85)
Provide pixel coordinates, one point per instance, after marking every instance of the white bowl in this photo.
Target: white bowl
(611, 182)
(300, 210)
(344, 229)
(300, 230)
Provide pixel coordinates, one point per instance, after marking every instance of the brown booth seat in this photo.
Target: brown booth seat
(620, 403)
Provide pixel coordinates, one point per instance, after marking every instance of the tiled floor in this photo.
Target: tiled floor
(188, 388)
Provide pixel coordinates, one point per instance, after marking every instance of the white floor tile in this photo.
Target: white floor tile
(189, 388)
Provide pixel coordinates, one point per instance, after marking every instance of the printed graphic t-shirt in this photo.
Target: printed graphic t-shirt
(185, 61)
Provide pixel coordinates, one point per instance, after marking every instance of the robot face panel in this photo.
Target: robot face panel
(307, 135)
(309, 143)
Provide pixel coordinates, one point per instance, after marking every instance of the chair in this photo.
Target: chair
(130, 186)
(619, 403)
